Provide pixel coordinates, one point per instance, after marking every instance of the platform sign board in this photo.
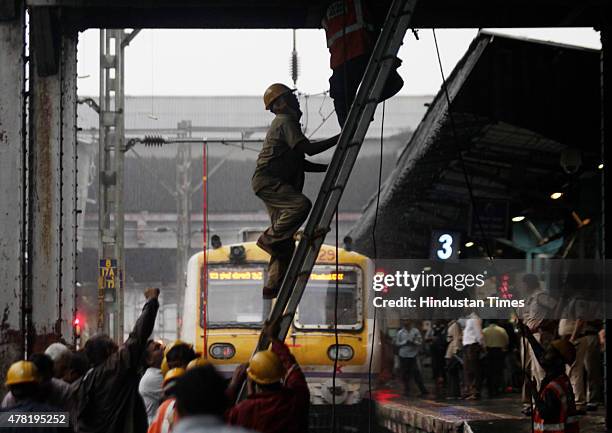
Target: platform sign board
(108, 276)
(445, 245)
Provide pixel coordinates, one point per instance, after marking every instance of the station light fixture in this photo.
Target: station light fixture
(600, 166)
(556, 195)
(518, 218)
(469, 244)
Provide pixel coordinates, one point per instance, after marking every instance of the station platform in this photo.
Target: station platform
(398, 414)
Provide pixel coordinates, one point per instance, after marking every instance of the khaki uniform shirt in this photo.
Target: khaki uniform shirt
(495, 337)
(278, 160)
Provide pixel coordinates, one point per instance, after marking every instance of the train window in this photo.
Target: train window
(234, 295)
(316, 310)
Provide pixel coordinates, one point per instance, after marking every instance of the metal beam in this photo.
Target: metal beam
(12, 233)
(52, 190)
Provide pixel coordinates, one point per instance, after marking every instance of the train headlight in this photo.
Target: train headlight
(345, 352)
(237, 254)
(222, 351)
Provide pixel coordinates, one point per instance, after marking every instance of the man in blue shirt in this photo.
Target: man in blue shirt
(408, 342)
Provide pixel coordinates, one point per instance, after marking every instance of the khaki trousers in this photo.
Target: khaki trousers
(586, 372)
(288, 209)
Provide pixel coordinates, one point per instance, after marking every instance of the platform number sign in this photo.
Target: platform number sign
(445, 245)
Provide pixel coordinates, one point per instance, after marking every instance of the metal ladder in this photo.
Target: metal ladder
(349, 144)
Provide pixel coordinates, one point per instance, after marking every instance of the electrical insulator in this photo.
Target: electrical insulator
(153, 140)
(294, 65)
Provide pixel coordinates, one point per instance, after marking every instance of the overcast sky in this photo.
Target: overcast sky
(245, 62)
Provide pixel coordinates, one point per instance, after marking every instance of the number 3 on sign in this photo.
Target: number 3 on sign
(446, 244)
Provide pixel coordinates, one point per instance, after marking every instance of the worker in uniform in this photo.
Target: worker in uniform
(554, 403)
(278, 397)
(107, 396)
(23, 381)
(279, 178)
(539, 308)
(166, 416)
(352, 28)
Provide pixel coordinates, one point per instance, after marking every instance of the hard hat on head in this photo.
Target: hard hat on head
(265, 368)
(172, 374)
(164, 366)
(22, 372)
(566, 350)
(273, 92)
(197, 362)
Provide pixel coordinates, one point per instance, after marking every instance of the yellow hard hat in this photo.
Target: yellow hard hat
(265, 368)
(164, 366)
(173, 374)
(566, 350)
(273, 92)
(197, 362)
(22, 372)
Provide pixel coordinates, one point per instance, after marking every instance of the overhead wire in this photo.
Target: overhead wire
(471, 192)
(375, 256)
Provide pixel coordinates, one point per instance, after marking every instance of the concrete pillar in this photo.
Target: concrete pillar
(12, 225)
(52, 187)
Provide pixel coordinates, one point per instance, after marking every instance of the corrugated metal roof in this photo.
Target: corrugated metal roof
(514, 110)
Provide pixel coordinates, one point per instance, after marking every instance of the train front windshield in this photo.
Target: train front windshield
(234, 295)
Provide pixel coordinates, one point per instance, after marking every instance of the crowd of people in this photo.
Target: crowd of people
(144, 386)
(504, 356)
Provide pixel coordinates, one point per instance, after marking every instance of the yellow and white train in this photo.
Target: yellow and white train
(235, 315)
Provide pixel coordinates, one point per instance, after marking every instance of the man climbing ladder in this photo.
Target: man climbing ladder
(279, 178)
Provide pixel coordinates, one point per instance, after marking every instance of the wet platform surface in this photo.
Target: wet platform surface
(499, 415)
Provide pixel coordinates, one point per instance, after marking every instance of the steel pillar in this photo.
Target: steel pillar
(52, 192)
(184, 190)
(606, 155)
(12, 188)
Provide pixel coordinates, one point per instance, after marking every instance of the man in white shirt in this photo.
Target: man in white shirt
(408, 342)
(472, 348)
(150, 386)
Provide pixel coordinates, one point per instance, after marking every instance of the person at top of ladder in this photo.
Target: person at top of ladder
(279, 178)
(554, 403)
(351, 28)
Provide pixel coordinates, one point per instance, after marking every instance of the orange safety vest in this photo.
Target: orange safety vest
(348, 33)
(165, 419)
(566, 421)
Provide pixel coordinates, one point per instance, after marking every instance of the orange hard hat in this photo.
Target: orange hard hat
(273, 92)
(265, 368)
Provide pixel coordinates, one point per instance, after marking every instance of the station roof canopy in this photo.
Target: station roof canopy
(82, 14)
(516, 105)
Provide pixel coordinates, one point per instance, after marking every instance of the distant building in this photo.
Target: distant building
(152, 185)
